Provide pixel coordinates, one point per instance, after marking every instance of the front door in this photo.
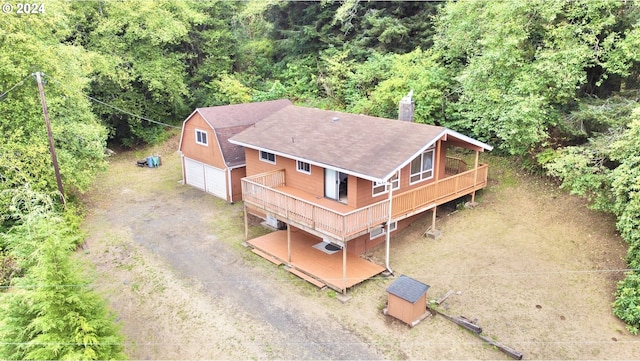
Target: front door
(331, 184)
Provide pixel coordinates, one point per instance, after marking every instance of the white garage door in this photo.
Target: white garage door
(215, 181)
(205, 177)
(194, 173)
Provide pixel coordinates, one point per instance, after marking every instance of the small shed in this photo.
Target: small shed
(407, 300)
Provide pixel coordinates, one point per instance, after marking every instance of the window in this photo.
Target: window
(201, 137)
(380, 231)
(303, 167)
(422, 167)
(381, 188)
(267, 157)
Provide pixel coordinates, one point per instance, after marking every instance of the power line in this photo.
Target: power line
(21, 82)
(113, 106)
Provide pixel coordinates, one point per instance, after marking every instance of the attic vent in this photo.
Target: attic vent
(335, 119)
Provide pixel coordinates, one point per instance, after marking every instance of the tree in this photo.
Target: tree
(607, 170)
(145, 68)
(395, 75)
(52, 313)
(36, 43)
(518, 65)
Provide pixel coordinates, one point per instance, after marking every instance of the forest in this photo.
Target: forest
(554, 85)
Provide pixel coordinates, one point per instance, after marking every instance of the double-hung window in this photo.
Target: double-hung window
(201, 137)
(381, 188)
(422, 166)
(303, 167)
(267, 157)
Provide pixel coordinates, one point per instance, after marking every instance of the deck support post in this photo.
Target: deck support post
(387, 243)
(433, 218)
(289, 243)
(475, 178)
(437, 161)
(433, 232)
(344, 269)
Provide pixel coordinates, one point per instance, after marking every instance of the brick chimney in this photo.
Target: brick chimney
(407, 107)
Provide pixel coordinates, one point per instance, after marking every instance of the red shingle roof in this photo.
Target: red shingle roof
(367, 146)
(229, 120)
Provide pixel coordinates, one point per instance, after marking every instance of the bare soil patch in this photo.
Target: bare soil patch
(533, 265)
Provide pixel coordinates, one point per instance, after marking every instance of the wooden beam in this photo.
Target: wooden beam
(437, 161)
(267, 256)
(307, 278)
(443, 298)
(475, 177)
(344, 269)
(462, 322)
(516, 355)
(433, 219)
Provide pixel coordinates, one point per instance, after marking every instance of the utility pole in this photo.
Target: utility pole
(52, 148)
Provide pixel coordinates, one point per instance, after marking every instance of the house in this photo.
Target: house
(342, 183)
(209, 161)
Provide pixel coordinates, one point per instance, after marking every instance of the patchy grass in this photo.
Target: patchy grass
(526, 245)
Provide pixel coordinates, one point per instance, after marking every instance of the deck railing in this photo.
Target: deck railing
(415, 200)
(259, 191)
(454, 165)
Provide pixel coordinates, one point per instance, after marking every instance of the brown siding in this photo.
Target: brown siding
(365, 195)
(311, 183)
(209, 154)
(236, 176)
(353, 191)
(406, 311)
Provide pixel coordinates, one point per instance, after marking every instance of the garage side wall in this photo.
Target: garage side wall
(236, 182)
(209, 154)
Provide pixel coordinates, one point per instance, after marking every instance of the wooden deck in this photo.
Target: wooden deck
(328, 218)
(320, 266)
(317, 215)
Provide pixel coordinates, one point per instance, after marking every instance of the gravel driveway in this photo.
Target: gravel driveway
(178, 224)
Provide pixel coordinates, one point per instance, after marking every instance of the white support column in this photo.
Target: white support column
(289, 243)
(388, 235)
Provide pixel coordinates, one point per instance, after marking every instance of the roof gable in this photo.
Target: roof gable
(229, 120)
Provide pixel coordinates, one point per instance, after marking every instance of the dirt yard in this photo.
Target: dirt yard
(531, 264)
